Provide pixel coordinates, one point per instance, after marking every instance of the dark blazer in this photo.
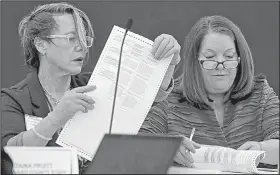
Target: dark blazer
(26, 97)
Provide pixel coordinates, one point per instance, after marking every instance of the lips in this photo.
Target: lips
(79, 59)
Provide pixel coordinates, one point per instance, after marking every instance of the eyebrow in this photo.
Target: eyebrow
(230, 49)
(225, 51)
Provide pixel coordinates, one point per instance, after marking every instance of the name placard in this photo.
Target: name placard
(43, 160)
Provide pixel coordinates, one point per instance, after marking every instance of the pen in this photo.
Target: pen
(191, 136)
(192, 133)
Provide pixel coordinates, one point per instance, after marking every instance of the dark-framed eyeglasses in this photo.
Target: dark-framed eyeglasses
(213, 64)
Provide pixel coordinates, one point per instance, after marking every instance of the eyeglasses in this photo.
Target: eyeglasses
(212, 64)
(72, 39)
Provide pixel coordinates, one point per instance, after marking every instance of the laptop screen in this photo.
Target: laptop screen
(134, 154)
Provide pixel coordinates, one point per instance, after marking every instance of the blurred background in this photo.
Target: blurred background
(259, 22)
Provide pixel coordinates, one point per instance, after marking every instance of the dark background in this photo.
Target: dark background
(259, 22)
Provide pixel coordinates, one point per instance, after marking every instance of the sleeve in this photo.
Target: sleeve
(163, 94)
(156, 120)
(12, 118)
(270, 117)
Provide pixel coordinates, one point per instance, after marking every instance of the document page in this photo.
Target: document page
(227, 159)
(43, 160)
(140, 78)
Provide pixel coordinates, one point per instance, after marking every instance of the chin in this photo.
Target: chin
(220, 90)
(75, 71)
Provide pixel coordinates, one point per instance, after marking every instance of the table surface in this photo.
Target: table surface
(185, 170)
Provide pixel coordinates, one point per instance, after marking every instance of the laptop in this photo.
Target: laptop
(134, 154)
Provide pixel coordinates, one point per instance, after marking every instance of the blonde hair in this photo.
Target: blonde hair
(40, 22)
(190, 81)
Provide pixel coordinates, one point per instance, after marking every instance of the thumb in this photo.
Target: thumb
(245, 146)
(196, 145)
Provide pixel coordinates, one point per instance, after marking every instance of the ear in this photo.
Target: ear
(40, 45)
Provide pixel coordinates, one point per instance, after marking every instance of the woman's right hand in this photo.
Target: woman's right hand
(183, 155)
(73, 101)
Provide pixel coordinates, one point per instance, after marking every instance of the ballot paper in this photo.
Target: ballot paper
(140, 78)
(43, 160)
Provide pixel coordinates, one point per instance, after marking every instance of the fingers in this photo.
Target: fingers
(180, 156)
(164, 46)
(161, 48)
(156, 44)
(84, 105)
(184, 158)
(188, 145)
(196, 145)
(83, 89)
(245, 146)
(85, 97)
(250, 145)
(167, 48)
(174, 50)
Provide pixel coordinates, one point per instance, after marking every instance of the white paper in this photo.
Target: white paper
(140, 79)
(43, 160)
(227, 159)
(185, 170)
(31, 121)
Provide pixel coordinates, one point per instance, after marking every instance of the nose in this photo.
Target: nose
(78, 46)
(220, 66)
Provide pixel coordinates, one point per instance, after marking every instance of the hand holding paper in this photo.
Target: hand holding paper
(164, 46)
(140, 78)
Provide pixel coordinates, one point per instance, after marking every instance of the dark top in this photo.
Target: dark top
(28, 97)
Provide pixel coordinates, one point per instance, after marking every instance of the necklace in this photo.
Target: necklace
(53, 99)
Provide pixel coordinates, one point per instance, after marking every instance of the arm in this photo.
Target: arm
(270, 126)
(13, 130)
(163, 93)
(156, 120)
(271, 148)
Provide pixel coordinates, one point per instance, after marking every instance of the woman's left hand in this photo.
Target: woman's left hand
(164, 46)
(271, 148)
(251, 145)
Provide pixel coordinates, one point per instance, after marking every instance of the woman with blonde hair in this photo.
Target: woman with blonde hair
(56, 39)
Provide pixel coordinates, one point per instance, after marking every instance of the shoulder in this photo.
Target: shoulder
(261, 86)
(260, 92)
(81, 79)
(18, 90)
(16, 98)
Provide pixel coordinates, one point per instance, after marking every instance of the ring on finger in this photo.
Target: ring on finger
(82, 96)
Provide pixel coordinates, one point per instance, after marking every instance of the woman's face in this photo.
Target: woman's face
(218, 47)
(66, 56)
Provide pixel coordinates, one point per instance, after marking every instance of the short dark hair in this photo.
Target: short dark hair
(190, 80)
(40, 22)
